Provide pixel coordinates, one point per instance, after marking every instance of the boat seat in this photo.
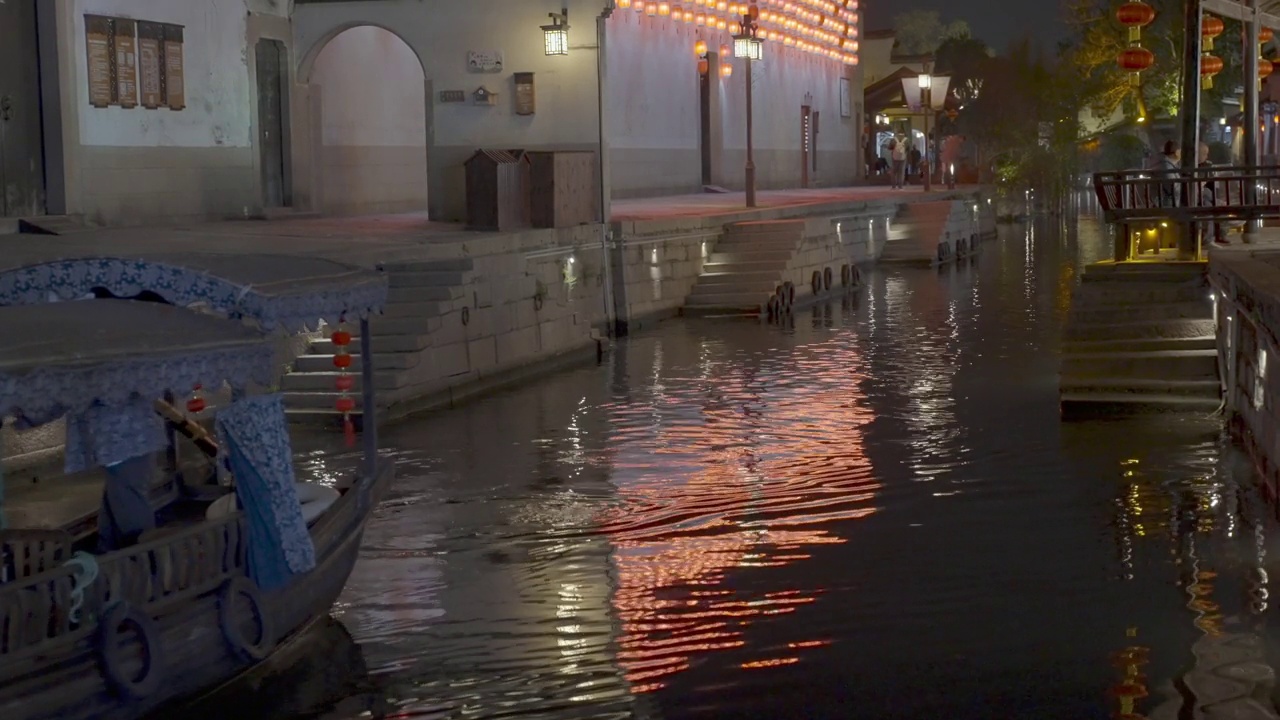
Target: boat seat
(26, 553)
(314, 497)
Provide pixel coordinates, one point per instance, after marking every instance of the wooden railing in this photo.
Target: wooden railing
(36, 613)
(1202, 194)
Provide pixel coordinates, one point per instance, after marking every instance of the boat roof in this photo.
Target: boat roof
(287, 291)
(64, 356)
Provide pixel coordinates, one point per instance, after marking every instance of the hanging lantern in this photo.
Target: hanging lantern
(1265, 68)
(344, 384)
(1209, 66)
(196, 404)
(1210, 28)
(1265, 35)
(1135, 16)
(700, 48)
(1135, 59)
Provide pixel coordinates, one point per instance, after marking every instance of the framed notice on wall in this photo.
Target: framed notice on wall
(150, 68)
(174, 78)
(846, 102)
(525, 99)
(126, 59)
(98, 45)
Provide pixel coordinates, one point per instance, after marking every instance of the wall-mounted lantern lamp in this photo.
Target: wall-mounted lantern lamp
(556, 34)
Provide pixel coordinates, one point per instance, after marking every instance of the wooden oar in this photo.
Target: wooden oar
(189, 428)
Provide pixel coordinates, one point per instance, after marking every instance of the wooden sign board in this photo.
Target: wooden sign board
(126, 59)
(453, 96)
(150, 67)
(174, 79)
(97, 32)
(526, 101)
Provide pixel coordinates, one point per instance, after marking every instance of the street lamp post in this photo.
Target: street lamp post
(748, 46)
(926, 105)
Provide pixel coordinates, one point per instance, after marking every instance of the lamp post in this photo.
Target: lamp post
(748, 46)
(926, 103)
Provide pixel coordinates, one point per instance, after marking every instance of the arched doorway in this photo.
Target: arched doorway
(371, 153)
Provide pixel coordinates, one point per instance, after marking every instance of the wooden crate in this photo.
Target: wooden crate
(562, 188)
(497, 191)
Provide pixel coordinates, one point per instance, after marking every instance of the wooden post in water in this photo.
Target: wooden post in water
(1252, 28)
(369, 409)
(1190, 115)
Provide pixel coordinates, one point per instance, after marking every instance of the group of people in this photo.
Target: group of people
(906, 161)
(1170, 160)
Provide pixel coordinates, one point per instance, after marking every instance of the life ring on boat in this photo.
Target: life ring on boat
(846, 276)
(788, 295)
(247, 648)
(857, 275)
(773, 308)
(815, 282)
(315, 499)
(144, 682)
(826, 278)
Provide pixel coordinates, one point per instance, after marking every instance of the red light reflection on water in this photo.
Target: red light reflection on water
(766, 464)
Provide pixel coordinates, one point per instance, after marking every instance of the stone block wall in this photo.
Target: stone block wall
(833, 242)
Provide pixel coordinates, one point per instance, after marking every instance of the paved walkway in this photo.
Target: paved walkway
(407, 236)
(711, 204)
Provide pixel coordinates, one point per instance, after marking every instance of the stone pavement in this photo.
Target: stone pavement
(403, 237)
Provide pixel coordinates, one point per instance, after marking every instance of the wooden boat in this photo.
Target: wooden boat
(120, 634)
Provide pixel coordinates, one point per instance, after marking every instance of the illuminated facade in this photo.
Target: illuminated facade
(373, 107)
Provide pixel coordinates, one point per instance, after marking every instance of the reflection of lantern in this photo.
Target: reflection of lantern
(1209, 66)
(1211, 28)
(1135, 16)
(1135, 59)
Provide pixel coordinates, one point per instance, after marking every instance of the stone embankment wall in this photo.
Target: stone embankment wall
(1246, 293)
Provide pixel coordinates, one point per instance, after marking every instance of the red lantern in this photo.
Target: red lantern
(1265, 35)
(1210, 28)
(1135, 59)
(1135, 16)
(196, 404)
(345, 404)
(1265, 68)
(1210, 65)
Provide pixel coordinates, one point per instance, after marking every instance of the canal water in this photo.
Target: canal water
(872, 512)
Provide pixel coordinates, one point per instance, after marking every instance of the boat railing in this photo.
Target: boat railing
(61, 605)
(1213, 193)
(175, 567)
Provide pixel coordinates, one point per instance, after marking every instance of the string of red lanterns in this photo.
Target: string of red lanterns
(344, 383)
(1135, 59)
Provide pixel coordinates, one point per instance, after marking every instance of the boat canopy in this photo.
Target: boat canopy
(286, 292)
(65, 356)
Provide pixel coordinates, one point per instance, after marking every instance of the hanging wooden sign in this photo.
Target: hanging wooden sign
(525, 96)
(102, 89)
(126, 57)
(150, 66)
(174, 82)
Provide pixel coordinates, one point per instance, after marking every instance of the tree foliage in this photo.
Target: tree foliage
(921, 32)
(1097, 39)
(966, 61)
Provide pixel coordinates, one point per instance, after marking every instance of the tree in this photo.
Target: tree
(1097, 39)
(920, 32)
(966, 61)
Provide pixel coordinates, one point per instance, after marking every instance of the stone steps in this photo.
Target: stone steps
(1139, 339)
(1171, 364)
(1140, 345)
(1102, 314)
(1142, 330)
(745, 268)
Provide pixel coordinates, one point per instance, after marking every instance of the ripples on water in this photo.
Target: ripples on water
(872, 513)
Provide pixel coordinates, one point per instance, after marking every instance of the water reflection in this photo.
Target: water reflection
(871, 512)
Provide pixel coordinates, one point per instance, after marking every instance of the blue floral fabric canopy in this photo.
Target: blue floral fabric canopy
(275, 291)
(66, 356)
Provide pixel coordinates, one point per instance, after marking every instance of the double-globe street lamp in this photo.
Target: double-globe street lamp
(748, 46)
